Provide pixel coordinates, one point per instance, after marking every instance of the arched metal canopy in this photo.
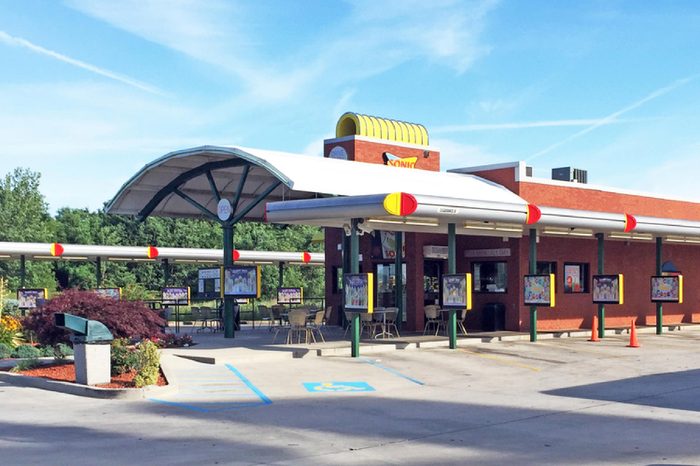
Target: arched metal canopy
(190, 182)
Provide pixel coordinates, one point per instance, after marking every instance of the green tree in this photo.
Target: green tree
(24, 217)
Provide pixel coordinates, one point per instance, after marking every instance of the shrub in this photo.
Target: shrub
(174, 341)
(61, 351)
(46, 351)
(27, 352)
(5, 351)
(148, 364)
(123, 357)
(25, 365)
(10, 330)
(125, 319)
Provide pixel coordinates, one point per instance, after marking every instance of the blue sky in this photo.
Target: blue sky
(90, 91)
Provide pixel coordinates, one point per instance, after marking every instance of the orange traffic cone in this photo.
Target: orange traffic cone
(594, 331)
(633, 337)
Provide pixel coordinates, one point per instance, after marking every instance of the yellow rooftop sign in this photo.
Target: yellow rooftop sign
(356, 124)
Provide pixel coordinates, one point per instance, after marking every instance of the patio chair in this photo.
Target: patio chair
(369, 323)
(460, 322)
(432, 315)
(265, 314)
(327, 316)
(297, 326)
(390, 320)
(316, 326)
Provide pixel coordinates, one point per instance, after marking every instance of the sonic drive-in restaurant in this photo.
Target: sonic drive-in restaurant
(611, 253)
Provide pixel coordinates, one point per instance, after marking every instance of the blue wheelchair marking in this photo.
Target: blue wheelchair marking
(337, 387)
(392, 371)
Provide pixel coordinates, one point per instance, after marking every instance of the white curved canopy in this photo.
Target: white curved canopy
(163, 187)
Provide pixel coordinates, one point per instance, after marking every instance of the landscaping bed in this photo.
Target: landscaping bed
(65, 372)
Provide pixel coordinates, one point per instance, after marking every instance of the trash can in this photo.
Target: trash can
(493, 317)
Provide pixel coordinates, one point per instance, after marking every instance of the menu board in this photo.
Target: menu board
(290, 295)
(209, 282)
(114, 293)
(242, 281)
(539, 290)
(176, 295)
(608, 289)
(667, 289)
(358, 292)
(28, 297)
(457, 291)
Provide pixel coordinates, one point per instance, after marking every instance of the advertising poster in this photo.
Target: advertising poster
(572, 278)
(608, 289)
(114, 293)
(241, 281)
(289, 295)
(389, 245)
(358, 292)
(176, 295)
(539, 290)
(28, 297)
(667, 289)
(456, 291)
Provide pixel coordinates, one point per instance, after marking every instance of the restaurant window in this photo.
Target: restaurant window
(576, 278)
(546, 268)
(490, 277)
(337, 280)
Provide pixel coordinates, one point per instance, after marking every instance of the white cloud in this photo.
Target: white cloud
(363, 43)
(20, 42)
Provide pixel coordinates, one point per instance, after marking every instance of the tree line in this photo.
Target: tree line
(25, 217)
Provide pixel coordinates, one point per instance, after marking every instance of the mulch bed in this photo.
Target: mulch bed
(66, 373)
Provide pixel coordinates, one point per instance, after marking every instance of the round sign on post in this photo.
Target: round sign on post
(224, 210)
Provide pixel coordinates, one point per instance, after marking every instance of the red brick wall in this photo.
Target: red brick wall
(636, 260)
(605, 201)
(502, 176)
(371, 152)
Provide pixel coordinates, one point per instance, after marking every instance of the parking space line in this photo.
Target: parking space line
(392, 371)
(501, 360)
(249, 384)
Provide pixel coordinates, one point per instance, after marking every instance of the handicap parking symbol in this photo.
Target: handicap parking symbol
(338, 387)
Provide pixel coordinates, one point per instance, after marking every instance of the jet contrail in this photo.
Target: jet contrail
(613, 116)
(521, 125)
(19, 42)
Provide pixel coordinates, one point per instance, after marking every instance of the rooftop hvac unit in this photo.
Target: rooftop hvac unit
(575, 175)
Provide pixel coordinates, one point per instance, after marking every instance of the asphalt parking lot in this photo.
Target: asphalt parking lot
(565, 401)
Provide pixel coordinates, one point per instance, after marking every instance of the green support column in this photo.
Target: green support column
(98, 271)
(452, 268)
(22, 271)
(166, 272)
(659, 306)
(280, 274)
(398, 262)
(355, 268)
(533, 270)
(229, 330)
(601, 271)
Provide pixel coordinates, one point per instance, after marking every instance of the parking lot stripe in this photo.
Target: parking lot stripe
(250, 385)
(392, 371)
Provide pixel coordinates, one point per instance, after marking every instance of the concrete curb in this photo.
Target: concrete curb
(19, 380)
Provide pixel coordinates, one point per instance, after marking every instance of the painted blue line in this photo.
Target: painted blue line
(250, 385)
(392, 371)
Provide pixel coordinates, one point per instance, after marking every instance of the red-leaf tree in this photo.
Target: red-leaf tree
(125, 319)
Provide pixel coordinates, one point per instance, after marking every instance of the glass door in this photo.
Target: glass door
(432, 271)
(386, 285)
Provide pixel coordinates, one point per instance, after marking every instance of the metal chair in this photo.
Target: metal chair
(316, 325)
(297, 326)
(368, 322)
(460, 322)
(390, 320)
(432, 315)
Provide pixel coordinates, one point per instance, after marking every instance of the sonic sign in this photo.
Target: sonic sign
(396, 161)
